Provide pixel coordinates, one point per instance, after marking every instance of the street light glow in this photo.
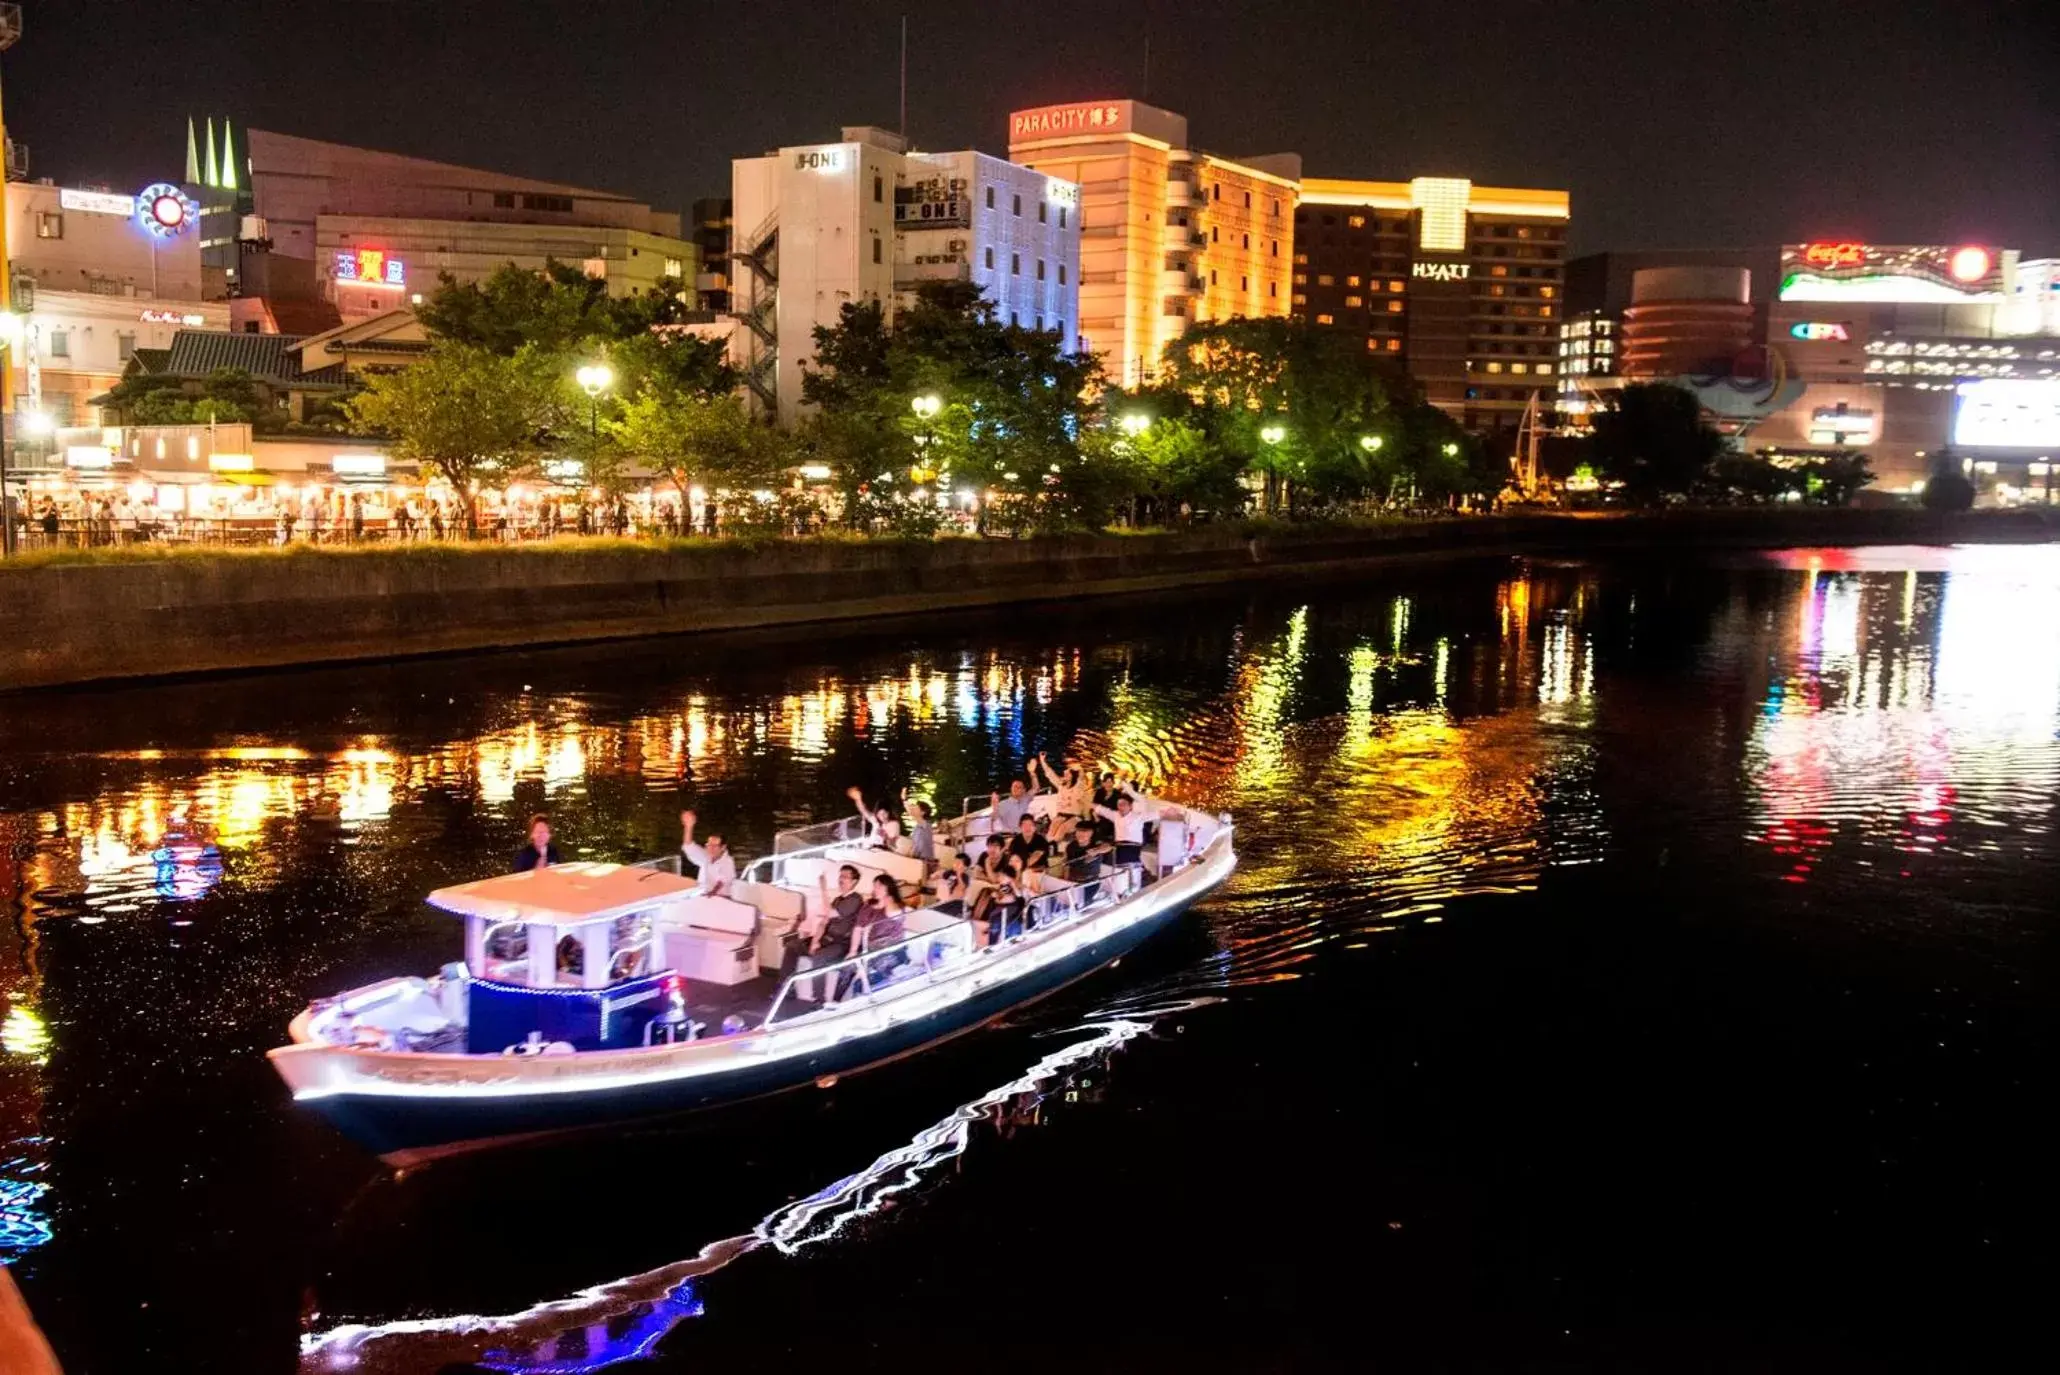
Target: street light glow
(926, 405)
(37, 422)
(1371, 442)
(1451, 449)
(1273, 434)
(1137, 422)
(595, 378)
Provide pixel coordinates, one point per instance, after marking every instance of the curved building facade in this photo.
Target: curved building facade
(1686, 320)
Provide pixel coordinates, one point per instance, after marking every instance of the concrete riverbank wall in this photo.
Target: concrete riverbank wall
(63, 623)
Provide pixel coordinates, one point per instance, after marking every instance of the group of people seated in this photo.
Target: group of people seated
(1093, 820)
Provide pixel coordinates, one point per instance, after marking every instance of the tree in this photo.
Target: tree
(1652, 440)
(1948, 488)
(462, 410)
(703, 441)
(1835, 480)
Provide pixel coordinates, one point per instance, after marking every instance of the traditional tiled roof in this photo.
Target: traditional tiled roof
(148, 360)
(198, 352)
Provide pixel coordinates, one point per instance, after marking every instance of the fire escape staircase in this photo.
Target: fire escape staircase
(761, 255)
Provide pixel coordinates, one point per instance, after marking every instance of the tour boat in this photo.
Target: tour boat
(596, 993)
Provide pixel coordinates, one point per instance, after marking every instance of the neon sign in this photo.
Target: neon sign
(1094, 117)
(1969, 264)
(97, 202)
(164, 209)
(820, 160)
(370, 267)
(1842, 253)
(171, 317)
(1441, 272)
(1815, 330)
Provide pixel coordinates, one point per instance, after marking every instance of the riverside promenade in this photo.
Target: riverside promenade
(140, 615)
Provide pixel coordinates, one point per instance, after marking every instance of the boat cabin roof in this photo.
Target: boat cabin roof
(564, 894)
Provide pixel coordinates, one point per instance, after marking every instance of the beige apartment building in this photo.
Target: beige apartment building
(1169, 236)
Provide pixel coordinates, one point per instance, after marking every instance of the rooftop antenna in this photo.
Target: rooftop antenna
(904, 78)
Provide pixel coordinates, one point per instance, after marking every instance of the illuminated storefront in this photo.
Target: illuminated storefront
(1908, 349)
(1460, 286)
(1175, 236)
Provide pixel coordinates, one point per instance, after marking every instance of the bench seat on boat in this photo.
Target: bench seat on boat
(780, 909)
(906, 870)
(709, 938)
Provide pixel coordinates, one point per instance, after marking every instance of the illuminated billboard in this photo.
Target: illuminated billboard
(1849, 270)
(370, 267)
(2008, 413)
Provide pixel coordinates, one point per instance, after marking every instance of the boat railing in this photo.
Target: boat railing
(822, 834)
(664, 864)
(1042, 914)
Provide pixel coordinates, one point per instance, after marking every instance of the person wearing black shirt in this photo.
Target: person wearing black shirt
(840, 923)
(1081, 851)
(539, 851)
(1028, 849)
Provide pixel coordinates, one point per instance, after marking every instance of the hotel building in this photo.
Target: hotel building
(1170, 236)
(826, 225)
(1460, 286)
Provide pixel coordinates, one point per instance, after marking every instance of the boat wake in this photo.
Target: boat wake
(626, 1318)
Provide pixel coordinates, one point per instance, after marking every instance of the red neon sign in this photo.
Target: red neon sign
(1835, 253)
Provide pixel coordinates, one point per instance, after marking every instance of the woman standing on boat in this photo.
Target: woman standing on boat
(539, 852)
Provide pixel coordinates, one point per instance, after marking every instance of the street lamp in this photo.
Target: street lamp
(1273, 434)
(593, 379)
(1371, 442)
(1451, 449)
(926, 406)
(1136, 423)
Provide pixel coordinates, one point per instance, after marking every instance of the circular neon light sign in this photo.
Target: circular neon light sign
(1969, 264)
(164, 209)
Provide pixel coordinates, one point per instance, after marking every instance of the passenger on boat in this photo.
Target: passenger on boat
(1105, 795)
(1002, 907)
(994, 862)
(539, 851)
(951, 894)
(880, 923)
(1028, 849)
(1082, 852)
(714, 863)
(1128, 823)
(1074, 794)
(922, 838)
(1005, 812)
(828, 940)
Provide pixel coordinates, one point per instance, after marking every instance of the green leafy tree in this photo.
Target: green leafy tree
(1652, 439)
(462, 411)
(699, 441)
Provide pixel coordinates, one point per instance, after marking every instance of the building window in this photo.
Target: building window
(1325, 279)
(1062, 217)
(1394, 286)
(1015, 264)
(1301, 260)
(1545, 368)
(125, 346)
(1248, 241)
(1212, 276)
(1276, 205)
(1300, 299)
(50, 225)
(1394, 346)
(1494, 367)
(1037, 323)
(1058, 327)
(1495, 290)
(1062, 274)
(1301, 279)
(1015, 205)
(1547, 292)
(990, 252)
(1041, 208)
(1355, 221)
(1273, 289)
(990, 198)
(876, 250)
(504, 200)
(878, 187)
(1244, 284)
(1523, 231)
(1354, 302)
(559, 204)
(1015, 320)
(1214, 234)
(1498, 270)
(1248, 200)
(1325, 320)
(1394, 307)
(60, 343)
(1040, 269)
(1218, 194)
(675, 268)
(1519, 367)
(1544, 312)
(1276, 248)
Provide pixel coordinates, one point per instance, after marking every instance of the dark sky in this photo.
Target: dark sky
(1675, 123)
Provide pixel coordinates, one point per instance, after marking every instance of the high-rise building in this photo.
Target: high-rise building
(1171, 236)
(1599, 292)
(822, 226)
(1457, 285)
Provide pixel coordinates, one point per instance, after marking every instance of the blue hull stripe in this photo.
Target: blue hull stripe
(404, 1130)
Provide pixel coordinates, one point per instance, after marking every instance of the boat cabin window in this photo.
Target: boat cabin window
(507, 953)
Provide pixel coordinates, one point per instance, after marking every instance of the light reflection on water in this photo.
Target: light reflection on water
(1389, 756)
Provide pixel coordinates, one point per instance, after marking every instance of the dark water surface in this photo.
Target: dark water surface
(1642, 966)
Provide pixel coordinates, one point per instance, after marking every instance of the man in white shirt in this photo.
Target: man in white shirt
(717, 866)
(1128, 821)
(1007, 811)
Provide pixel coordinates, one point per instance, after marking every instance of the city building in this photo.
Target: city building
(866, 219)
(298, 220)
(1687, 321)
(710, 231)
(1457, 285)
(98, 276)
(1598, 292)
(1905, 350)
(1171, 236)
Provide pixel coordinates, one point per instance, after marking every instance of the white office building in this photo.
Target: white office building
(822, 226)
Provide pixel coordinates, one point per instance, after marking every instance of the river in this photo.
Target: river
(1629, 963)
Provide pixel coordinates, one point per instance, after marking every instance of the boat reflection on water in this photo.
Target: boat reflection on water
(625, 1319)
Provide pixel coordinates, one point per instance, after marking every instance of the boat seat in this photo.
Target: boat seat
(709, 938)
(903, 869)
(780, 909)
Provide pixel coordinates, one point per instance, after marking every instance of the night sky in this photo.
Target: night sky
(1675, 123)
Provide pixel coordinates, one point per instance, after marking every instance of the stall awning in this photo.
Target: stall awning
(245, 479)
